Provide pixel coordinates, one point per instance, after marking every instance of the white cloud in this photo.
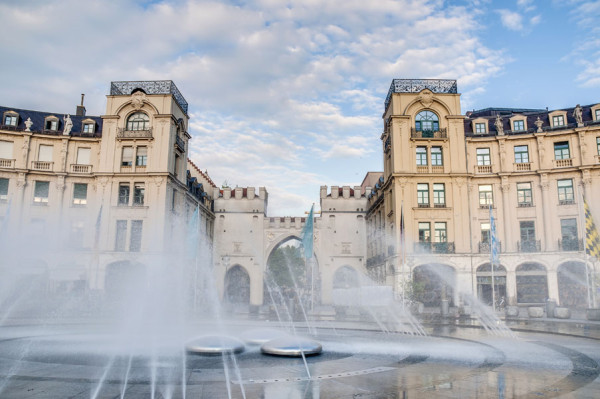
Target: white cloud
(536, 19)
(511, 20)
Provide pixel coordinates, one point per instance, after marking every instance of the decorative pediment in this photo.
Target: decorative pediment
(426, 98)
(137, 99)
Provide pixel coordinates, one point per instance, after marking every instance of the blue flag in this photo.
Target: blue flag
(493, 240)
(192, 234)
(307, 235)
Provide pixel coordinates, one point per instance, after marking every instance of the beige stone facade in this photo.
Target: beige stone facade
(444, 170)
(83, 198)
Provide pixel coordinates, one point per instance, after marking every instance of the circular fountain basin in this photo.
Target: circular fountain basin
(259, 336)
(291, 346)
(214, 345)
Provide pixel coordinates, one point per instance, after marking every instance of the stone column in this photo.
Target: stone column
(552, 277)
(20, 202)
(511, 287)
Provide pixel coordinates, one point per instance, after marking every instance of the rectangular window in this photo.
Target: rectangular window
(135, 242)
(424, 232)
(77, 234)
(436, 156)
(176, 165)
(45, 154)
(121, 235)
(527, 229)
(598, 115)
(141, 156)
(439, 195)
(127, 156)
(423, 195)
(52, 124)
(566, 195)
(561, 150)
(124, 194)
(88, 128)
(79, 194)
(524, 194)
(569, 238)
(138, 194)
(83, 156)
(521, 154)
(518, 125)
(485, 195)
(3, 190)
(422, 156)
(40, 192)
(6, 149)
(558, 120)
(10, 120)
(480, 128)
(483, 156)
(440, 234)
(597, 145)
(485, 233)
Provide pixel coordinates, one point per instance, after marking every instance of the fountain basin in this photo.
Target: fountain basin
(214, 345)
(292, 347)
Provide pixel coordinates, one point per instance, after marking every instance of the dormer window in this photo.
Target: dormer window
(138, 121)
(597, 115)
(11, 118)
(558, 120)
(51, 123)
(88, 126)
(519, 125)
(427, 122)
(480, 128)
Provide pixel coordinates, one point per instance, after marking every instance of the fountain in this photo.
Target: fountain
(160, 337)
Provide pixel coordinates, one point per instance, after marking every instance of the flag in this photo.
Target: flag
(97, 231)
(402, 235)
(493, 240)
(307, 235)
(592, 239)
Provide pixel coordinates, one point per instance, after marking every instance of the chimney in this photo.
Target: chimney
(80, 110)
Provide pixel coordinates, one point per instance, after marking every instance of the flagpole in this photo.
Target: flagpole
(403, 243)
(492, 243)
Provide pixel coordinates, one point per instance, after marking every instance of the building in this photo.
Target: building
(82, 197)
(446, 174)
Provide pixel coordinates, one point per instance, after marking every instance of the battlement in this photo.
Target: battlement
(343, 192)
(240, 193)
(287, 222)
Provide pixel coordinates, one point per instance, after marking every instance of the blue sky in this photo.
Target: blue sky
(289, 94)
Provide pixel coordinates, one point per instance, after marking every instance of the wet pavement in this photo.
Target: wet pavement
(451, 362)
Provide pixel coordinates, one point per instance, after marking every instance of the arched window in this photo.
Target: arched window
(427, 122)
(138, 121)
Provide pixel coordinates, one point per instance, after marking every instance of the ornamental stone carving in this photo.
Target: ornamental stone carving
(499, 125)
(28, 124)
(137, 99)
(538, 123)
(68, 125)
(578, 115)
(426, 98)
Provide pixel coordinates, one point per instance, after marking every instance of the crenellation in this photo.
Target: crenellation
(335, 191)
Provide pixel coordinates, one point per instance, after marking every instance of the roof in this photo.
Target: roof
(38, 119)
(530, 116)
(205, 175)
(126, 88)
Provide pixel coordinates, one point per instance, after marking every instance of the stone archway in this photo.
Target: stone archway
(572, 284)
(237, 286)
(532, 283)
(484, 283)
(432, 283)
(345, 277)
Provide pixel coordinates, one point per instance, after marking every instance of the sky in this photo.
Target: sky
(289, 95)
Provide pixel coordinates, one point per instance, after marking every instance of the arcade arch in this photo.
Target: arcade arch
(484, 283)
(237, 286)
(572, 284)
(433, 282)
(532, 283)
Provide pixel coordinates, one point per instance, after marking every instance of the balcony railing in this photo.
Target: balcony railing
(563, 163)
(522, 166)
(424, 247)
(428, 134)
(570, 245)
(41, 165)
(422, 169)
(483, 169)
(437, 169)
(77, 168)
(525, 204)
(484, 247)
(529, 246)
(134, 134)
(7, 163)
(569, 201)
(416, 85)
(180, 143)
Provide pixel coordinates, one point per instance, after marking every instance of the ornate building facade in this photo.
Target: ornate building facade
(448, 177)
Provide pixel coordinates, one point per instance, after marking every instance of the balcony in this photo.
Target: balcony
(439, 134)
(422, 169)
(41, 165)
(522, 166)
(134, 134)
(529, 246)
(570, 245)
(77, 168)
(424, 247)
(525, 204)
(484, 247)
(417, 85)
(483, 169)
(563, 163)
(7, 163)
(566, 201)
